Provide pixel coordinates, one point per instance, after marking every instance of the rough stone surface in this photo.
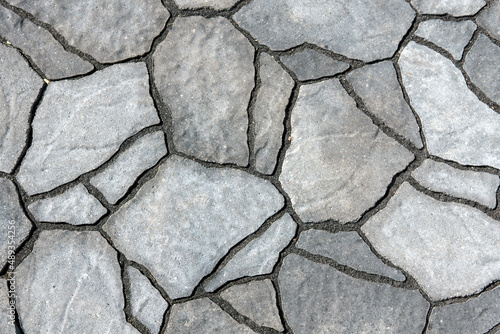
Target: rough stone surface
(378, 87)
(476, 186)
(204, 72)
(360, 29)
(6, 313)
(311, 64)
(70, 283)
(450, 249)
(182, 222)
(118, 177)
(346, 248)
(489, 19)
(456, 124)
(215, 4)
(339, 163)
(456, 7)
(317, 298)
(81, 123)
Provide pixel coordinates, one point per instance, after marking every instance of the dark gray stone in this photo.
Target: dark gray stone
(7, 311)
(310, 64)
(214, 4)
(489, 19)
(455, 7)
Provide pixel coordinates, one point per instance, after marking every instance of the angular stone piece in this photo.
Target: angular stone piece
(316, 298)
(7, 315)
(381, 92)
(360, 29)
(81, 123)
(310, 64)
(70, 283)
(204, 72)
(110, 31)
(451, 249)
(117, 178)
(215, 4)
(189, 216)
(256, 300)
(476, 186)
(348, 249)
(339, 163)
(489, 19)
(456, 124)
(455, 7)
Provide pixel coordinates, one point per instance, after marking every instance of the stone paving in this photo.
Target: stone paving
(250, 166)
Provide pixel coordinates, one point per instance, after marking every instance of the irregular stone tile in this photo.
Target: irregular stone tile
(456, 124)
(117, 178)
(215, 4)
(269, 112)
(339, 163)
(19, 87)
(109, 31)
(259, 256)
(360, 29)
(204, 72)
(81, 123)
(476, 186)
(189, 216)
(7, 311)
(310, 64)
(456, 7)
(70, 283)
(257, 301)
(348, 249)
(381, 92)
(316, 298)
(451, 249)
(489, 19)
(41, 46)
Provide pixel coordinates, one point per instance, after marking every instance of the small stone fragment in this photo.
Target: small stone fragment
(7, 311)
(310, 64)
(489, 19)
(455, 7)
(215, 4)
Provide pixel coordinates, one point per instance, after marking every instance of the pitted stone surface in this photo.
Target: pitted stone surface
(456, 124)
(215, 4)
(204, 72)
(456, 7)
(361, 29)
(7, 315)
(450, 249)
(319, 299)
(339, 163)
(311, 64)
(489, 19)
(81, 123)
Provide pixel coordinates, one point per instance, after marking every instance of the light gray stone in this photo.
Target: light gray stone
(7, 311)
(339, 163)
(451, 249)
(381, 92)
(259, 256)
(114, 181)
(316, 298)
(489, 19)
(256, 300)
(183, 221)
(70, 283)
(214, 4)
(456, 124)
(109, 31)
(204, 72)
(310, 64)
(455, 7)
(476, 186)
(81, 123)
(361, 29)
(269, 112)
(348, 249)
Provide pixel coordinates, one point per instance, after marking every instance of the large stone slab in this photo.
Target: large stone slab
(456, 7)
(7, 311)
(311, 64)
(214, 4)
(489, 19)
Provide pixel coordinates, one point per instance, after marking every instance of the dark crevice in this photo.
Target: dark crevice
(250, 110)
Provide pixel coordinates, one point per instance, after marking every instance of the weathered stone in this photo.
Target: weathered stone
(109, 31)
(381, 92)
(7, 311)
(204, 72)
(456, 124)
(81, 123)
(215, 4)
(339, 163)
(456, 7)
(476, 186)
(259, 256)
(316, 298)
(451, 249)
(310, 64)
(489, 19)
(70, 283)
(184, 220)
(360, 29)
(117, 178)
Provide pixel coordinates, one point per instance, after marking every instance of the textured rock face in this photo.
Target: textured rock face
(204, 72)
(489, 19)
(215, 4)
(311, 64)
(456, 7)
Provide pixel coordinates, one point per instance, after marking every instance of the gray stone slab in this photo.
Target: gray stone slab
(316, 298)
(81, 123)
(311, 64)
(381, 92)
(456, 7)
(360, 29)
(346, 248)
(183, 221)
(451, 249)
(205, 74)
(214, 4)
(7, 310)
(489, 19)
(339, 163)
(70, 283)
(456, 124)
(476, 186)
(114, 181)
